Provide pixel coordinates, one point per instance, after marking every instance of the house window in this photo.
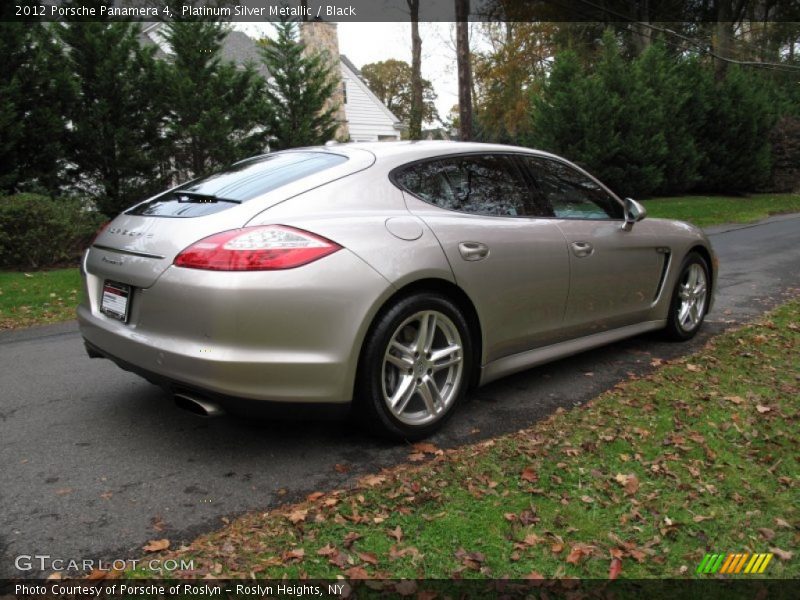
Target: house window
(344, 92)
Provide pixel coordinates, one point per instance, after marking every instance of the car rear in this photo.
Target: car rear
(182, 291)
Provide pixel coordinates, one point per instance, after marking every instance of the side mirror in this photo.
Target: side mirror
(634, 212)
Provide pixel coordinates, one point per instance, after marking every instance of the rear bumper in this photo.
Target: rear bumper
(232, 404)
(289, 336)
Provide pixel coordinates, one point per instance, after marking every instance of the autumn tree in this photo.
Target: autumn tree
(506, 75)
(390, 81)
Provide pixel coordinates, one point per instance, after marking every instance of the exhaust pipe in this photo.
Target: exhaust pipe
(204, 408)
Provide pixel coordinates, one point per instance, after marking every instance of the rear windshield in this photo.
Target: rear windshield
(238, 183)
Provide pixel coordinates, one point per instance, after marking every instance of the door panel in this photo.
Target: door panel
(615, 284)
(614, 273)
(519, 288)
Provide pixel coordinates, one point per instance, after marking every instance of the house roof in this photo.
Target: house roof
(237, 47)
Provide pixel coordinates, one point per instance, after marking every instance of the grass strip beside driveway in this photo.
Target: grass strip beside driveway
(700, 456)
(705, 211)
(38, 297)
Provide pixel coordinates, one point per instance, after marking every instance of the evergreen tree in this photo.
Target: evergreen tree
(34, 95)
(115, 136)
(216, 110)
(298, 92)
(735, 137)
(608, 120)
(678, 87)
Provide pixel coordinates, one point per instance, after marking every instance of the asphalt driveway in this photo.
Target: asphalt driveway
(95, 461)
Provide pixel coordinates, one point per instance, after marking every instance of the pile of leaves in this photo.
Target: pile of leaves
(699, 456)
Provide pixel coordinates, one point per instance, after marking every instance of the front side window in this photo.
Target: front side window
(570, 193)
(478, 185)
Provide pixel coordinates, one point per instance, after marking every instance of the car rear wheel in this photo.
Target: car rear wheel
(415, 367)
(689, 299)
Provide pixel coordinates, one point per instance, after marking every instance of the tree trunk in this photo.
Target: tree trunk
(415, 114)
(642, 39)
(464, 71)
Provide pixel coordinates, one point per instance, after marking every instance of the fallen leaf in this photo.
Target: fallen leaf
(314, 496)
(372, 480)
(782, 554)
(425, 448)
(296, 554)
(106, 495)
(368, 557)
(97, 574)
(693, 368)
(762, 409)
(157, 523)
(357, 573)
(534, 575)
(578, 552)
(350, 538)
(396, 533)
(416, 457)
(529, 474)
(587, 499)
(734, 399)
(615, 569)
(782, 523)
(64, 491)
(340, 468)
(766, 533)
(700, 518)
(297, 515)
(156, 545)
(557, 548)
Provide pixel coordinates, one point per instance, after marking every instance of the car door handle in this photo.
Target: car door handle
(473, 250)
(582, 249)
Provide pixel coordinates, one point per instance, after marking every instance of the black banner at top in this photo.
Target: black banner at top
(398, 10)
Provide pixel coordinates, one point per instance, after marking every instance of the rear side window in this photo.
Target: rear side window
(479, 185)
(239, 183)
(570, 193)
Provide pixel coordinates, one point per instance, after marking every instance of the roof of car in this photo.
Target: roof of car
(410, 150)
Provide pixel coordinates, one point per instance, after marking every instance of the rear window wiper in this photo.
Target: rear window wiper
(199, 198)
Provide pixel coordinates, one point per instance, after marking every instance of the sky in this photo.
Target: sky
(365, 43)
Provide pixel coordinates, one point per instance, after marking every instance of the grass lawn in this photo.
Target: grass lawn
(38, 297)
(700, 456)
(704, 211)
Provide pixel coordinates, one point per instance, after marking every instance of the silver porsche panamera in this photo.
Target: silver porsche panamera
(387, 278)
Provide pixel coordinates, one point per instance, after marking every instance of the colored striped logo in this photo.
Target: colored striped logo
(734, 563)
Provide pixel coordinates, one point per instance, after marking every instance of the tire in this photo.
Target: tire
(403, 390)
(690, 297)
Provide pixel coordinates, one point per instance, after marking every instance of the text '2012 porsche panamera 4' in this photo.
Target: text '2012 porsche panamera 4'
(385, 277)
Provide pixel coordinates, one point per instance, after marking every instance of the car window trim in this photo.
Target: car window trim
(602, 186)
(527, 179)
(512, 163)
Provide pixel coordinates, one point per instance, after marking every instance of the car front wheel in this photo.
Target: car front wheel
(415, 366)
(689, 299)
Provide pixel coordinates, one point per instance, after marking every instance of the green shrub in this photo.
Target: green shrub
(39, 231)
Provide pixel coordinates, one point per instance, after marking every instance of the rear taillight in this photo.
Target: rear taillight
(262, 248)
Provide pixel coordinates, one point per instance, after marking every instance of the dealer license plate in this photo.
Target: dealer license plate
(116, 300)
